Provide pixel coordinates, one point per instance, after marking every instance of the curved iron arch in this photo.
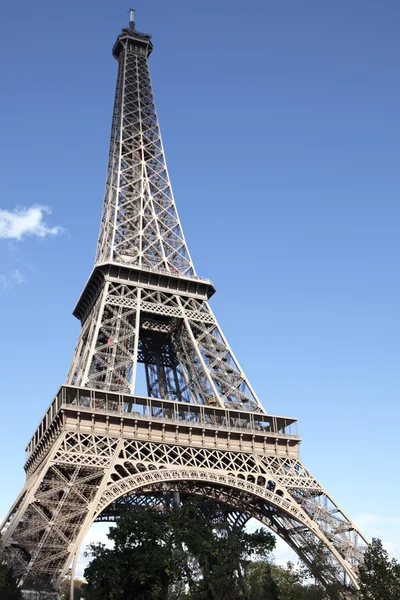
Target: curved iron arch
(191, 478)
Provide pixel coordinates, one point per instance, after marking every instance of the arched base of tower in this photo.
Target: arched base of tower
(85, 477)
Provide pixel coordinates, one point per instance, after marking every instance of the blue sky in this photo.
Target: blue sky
(281, 128)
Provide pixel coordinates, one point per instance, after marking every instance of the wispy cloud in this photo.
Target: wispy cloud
(22, 222)
(8, 282)
(366, 519)
(97, 533)
(386, 527)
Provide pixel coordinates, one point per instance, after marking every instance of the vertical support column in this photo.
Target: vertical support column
(118, 186)
(199, 355)
(73, 570)
(90, 355)
(136, 343)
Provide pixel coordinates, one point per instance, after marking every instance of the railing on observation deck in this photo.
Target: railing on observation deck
(159, 270)
(175, 273)
(142, 407)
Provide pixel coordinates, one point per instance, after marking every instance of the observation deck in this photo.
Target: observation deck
(142, 40)
(163, 421)
(156, 278)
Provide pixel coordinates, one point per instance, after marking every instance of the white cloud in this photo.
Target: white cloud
(283, 553)
(367, 520)
(385, 527)
(9, 282)
(26, 221)
(97, 533)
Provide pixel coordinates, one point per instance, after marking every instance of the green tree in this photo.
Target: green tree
(322, 569)
(142, 560)
(262, 582)
(288, 582)
(224, 561)
(65, 589)
(158, 555)
(379, 576)
(8, 585)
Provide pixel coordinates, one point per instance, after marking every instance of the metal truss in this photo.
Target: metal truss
(139, 225)
(85, 476)
(169, 499)
(101, 449)
(185, 353)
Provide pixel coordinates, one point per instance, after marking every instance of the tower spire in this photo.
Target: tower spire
(132, 18)
(140, 226)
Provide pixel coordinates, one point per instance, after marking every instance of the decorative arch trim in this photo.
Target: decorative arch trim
(288, 506)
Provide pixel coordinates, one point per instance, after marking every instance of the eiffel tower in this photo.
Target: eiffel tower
(102, 449)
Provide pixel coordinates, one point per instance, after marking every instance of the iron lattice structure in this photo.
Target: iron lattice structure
(101, 448)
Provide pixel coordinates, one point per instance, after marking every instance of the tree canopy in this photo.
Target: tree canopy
(79, 589)
(379, 575)
(8, 585)
(188, 554)
(177, 554)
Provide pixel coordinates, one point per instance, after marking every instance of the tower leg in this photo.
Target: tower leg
(90, 471)
(73, 570)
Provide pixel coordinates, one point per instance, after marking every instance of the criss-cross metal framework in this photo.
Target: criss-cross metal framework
(102, 449)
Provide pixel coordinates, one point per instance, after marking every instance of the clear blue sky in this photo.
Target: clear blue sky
(281, 127)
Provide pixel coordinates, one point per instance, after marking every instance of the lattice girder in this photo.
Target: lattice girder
(121, 331)
(169, 499)
(139, 225)
(86, 473)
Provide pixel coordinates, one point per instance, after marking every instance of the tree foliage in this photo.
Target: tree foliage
(171, 555)
(79, 589)
(379, 576)
(188, 554)
(321, 568)
(288, 583)
(8, 585)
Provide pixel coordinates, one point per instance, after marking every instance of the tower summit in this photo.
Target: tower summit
(102, 448)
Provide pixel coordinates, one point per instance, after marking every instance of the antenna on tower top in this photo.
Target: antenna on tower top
(132, 18)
